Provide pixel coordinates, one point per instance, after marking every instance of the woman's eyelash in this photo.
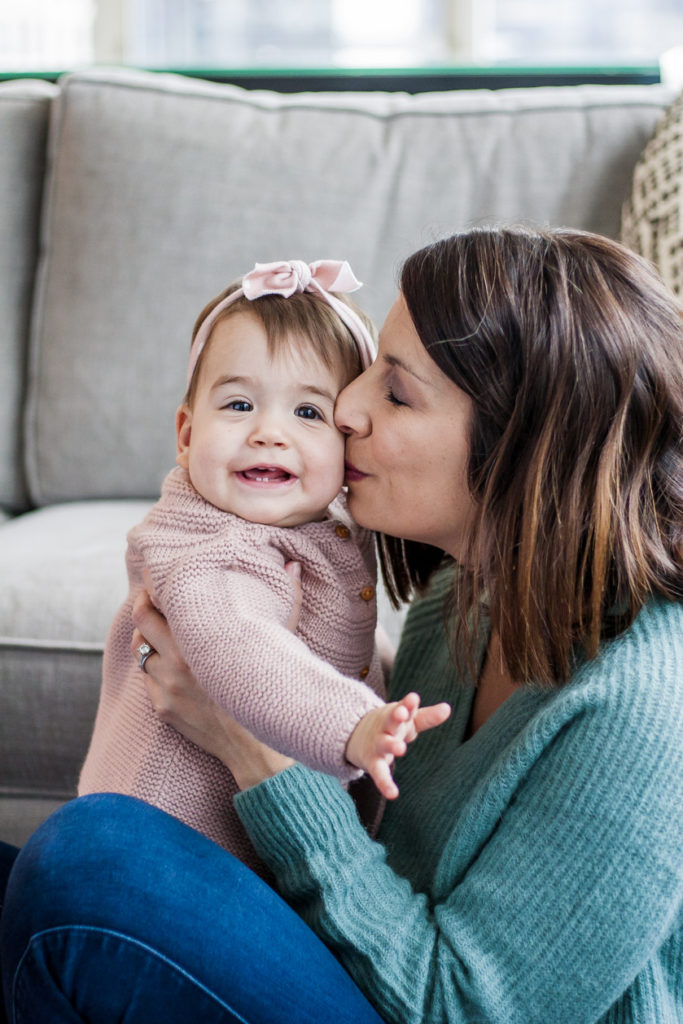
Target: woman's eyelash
(391, 396)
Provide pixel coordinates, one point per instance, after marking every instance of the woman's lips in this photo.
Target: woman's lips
(353, 475)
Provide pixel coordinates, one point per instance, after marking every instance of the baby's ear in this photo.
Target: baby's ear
(183, 430)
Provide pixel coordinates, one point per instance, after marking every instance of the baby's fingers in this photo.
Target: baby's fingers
(431, 716)
(400, 714)
(410, 702)
(380, 773)
(389, 746)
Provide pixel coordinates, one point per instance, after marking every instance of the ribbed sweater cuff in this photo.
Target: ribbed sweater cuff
(298, 815)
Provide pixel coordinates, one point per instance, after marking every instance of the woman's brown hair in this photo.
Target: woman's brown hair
(571, 349)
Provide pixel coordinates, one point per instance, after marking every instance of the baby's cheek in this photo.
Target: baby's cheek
(339, 454)
(329, 466)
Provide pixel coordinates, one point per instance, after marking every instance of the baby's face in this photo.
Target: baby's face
(260, 440)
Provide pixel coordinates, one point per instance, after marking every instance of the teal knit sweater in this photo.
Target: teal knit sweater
(533, 873)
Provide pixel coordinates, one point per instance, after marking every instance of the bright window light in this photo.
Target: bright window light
(61, 34)
(582, 31)
(39, 34)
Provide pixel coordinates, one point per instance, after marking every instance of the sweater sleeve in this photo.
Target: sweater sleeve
(230, 625)
(553, 891)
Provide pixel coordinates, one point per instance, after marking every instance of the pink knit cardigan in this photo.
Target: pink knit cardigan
(220, 582)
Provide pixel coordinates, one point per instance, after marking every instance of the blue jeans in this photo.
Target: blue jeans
(8, 855)
(115, 911)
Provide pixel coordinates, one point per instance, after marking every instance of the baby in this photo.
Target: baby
(258, 485)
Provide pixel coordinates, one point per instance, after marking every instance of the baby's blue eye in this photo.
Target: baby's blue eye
(239, 405)
(308, 412)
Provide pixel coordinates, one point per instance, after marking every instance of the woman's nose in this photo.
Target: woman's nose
(350, 411)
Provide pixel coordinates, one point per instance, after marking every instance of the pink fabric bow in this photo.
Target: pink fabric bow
(290, 276)
(286, 278)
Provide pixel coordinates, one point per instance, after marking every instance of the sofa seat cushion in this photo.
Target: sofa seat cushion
(63, 577)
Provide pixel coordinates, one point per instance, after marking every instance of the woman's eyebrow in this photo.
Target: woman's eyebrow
(395, 361)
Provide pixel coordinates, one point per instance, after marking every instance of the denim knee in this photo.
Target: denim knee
(108, 865)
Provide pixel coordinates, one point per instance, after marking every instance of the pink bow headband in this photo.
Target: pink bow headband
(286, 278)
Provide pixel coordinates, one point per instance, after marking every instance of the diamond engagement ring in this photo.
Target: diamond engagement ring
(145, 651)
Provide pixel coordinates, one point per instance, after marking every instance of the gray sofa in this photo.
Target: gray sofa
(126, 201)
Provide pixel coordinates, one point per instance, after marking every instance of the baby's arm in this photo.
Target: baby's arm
(231, 627)
(384, 733)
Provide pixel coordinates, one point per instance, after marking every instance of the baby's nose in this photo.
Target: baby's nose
(268, 433)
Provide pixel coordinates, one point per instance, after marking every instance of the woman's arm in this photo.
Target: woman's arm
(548, 896)
(549, 911)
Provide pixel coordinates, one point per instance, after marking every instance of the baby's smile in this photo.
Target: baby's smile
(268, 475)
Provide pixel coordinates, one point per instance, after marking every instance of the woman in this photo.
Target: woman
(520, 433)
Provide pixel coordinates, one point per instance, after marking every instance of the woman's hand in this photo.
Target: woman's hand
(180, 701)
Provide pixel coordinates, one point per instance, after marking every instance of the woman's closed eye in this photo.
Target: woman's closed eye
(392, 397)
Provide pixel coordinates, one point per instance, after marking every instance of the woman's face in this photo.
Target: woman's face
(407, 447)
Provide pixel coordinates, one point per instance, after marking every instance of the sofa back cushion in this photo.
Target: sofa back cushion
(163, 189)
(24, 110)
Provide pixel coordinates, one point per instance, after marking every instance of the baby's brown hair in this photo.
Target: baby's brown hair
(305, 318)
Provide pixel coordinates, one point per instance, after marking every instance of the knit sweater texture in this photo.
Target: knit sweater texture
(531, 874)
(221, 583)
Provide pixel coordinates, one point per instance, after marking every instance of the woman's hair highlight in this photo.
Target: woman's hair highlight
(571, 350)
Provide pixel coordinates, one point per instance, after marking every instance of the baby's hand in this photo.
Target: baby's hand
(383, 734)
